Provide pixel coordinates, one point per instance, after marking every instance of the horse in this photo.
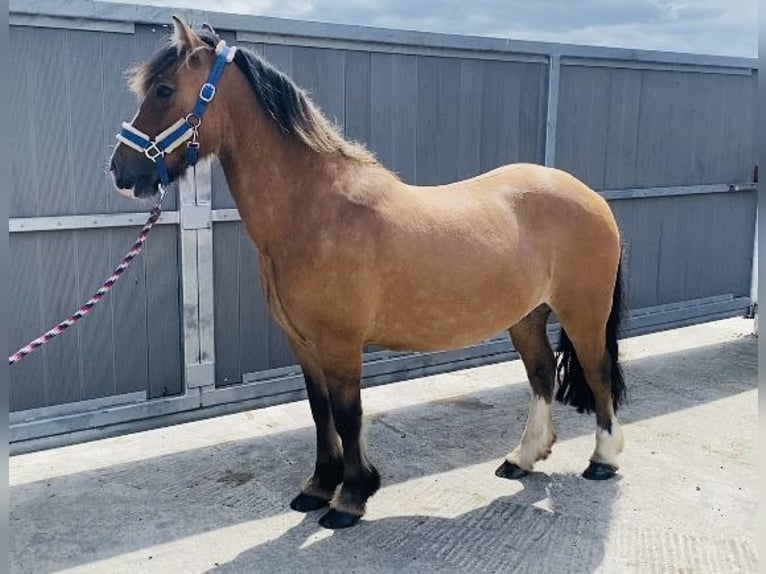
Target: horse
(352, 255)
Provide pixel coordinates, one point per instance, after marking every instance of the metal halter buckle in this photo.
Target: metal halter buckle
(207, 88)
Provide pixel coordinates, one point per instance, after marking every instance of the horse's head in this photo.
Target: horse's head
(168, 85)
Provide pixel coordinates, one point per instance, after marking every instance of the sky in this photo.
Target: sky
(724, 27)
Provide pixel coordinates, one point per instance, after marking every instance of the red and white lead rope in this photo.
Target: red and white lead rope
(102, 291)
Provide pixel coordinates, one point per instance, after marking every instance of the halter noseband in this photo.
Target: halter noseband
(184, 129)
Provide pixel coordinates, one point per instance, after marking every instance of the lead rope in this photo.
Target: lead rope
(154, 215)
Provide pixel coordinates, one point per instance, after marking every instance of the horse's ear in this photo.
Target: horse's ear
(209, 28)
(183, 36)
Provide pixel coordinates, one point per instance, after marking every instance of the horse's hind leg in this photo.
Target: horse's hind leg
(530, 339)
(591, 378)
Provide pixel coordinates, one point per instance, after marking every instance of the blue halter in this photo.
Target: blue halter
(184, 129)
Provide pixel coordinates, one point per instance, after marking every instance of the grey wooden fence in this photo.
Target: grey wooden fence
(667, 138)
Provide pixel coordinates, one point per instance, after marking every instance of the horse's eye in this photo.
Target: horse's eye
(164, 91)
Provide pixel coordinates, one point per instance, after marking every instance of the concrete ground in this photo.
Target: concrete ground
(212, 496)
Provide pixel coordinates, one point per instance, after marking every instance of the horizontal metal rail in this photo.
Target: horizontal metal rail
(645, 192)
(83, 10)
(105, 220)
(89, 25)
(231, 214)
(101, 220)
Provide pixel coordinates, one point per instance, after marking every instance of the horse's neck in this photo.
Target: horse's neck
(271, 177)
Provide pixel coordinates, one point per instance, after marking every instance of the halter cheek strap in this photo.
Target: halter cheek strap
(184, 129)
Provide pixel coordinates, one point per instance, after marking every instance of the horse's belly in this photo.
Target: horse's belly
(431, 319)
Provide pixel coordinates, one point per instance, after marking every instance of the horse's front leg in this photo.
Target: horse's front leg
(319, 488)
(360, 478)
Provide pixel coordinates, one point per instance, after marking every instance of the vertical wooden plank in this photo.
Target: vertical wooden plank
(469, 118)
(673, 264)
(63, 373)
(97, 332)
(447, 130)
(280, 56)
(382, 108)
(307, 69)
(705, 147)
(128, 301)
(404, 119)
(645, 241)
(254, 320)
(358, 96)
(86, 151)
(27, 378)
(24, 192)
(568, 111)
(330, 94)
(531, 121)
(226, 323)
(501, 96)
(732, 131)
(678, 141)
(622, 131)
(426, 151)
(119, 52)
(393, 125)
(48, 71)
(654, 130)
(591, 157)
(163, 313)
(743, 158)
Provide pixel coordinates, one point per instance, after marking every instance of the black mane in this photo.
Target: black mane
(283, 100)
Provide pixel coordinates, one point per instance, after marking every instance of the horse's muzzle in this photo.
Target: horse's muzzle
(134, 176)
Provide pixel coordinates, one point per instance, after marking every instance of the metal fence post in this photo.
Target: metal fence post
(552, 108)
(754, 279)
(195, 191)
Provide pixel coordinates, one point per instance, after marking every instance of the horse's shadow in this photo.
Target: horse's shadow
(556, 523)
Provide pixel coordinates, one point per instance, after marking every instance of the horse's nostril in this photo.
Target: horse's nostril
(112, 167)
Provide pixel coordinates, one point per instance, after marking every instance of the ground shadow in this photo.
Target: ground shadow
(510, 534)
(167, 498)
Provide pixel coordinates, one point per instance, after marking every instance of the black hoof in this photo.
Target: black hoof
(599, 471)
(511, 471)
(337, 519)
(307, 503)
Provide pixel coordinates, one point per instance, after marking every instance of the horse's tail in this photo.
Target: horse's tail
(573, 388)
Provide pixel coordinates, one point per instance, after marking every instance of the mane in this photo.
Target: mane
(281, 98)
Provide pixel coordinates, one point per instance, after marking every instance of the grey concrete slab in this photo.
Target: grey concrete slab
(212, 496)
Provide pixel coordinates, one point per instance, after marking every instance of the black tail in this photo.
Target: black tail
(573, 388)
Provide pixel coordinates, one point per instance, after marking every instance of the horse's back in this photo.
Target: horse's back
(538, 202)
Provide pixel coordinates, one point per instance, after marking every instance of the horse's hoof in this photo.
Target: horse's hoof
(307, 503)
(337, 519)
(510, 471)
(599, 471)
